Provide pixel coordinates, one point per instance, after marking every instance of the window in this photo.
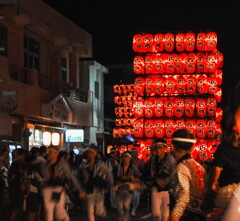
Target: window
(31, 53)
(63, 69)
(3, 41)
(96, 89)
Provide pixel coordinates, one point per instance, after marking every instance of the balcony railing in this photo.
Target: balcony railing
(50, 84)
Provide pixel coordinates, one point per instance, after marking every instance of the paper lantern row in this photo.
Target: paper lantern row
(190, 85)
(125, 100)
(203, 41)
(178, 63)
(123, 88)
(177, 107)
(201, 128)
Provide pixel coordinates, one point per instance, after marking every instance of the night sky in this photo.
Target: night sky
(112, 23)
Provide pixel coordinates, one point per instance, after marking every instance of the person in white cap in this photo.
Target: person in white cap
(188, 181)
(96, 179)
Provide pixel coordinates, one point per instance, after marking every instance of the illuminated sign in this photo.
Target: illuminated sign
(74, 135)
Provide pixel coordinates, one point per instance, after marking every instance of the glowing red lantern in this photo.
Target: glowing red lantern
(169, 42)
(149, 128)
(181, 84)
(201, 107)
(191, 126)
(202, 84)
(150, 64)
(149, 86)
(211, 129)
(189, 104)
(149, 107)
(211, 106)
(212, 85)
(201, 41)
(139, 85)
(170, 63)
(160, 65)
(180, 124)
(147, 43)
(168, 108)
(191, 61)
(159, 85)
(158, 42)
(218, 94)
(201, 63)
(178, 109)
(211, 41)
(220, 59)
(218, 75)
(138, 128)
(159, 128)
(191, 84)
(170, 85)
(137, 45)
(180, 64)
(180, 42)
(158, 107)
(138, 65)
(190, 41)
(169, 127)
(212, 63)
(219, 114)
(138, 108)
(201, 129)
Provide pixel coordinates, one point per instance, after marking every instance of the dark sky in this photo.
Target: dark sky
(112, 23)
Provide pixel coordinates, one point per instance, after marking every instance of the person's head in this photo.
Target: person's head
(159, 147)
(134, 153)
(182, 141)
(35, 151)
(91, 152)
(43, 151)
(113, 152)
(126, 157)
(18, 154)
(62, 155)
(52, 154)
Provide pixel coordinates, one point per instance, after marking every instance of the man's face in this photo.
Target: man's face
(160, 149)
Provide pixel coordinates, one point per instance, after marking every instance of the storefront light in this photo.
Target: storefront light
(55, 139)
(46, 138)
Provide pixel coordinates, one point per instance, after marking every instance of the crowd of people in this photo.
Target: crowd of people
(40, 184)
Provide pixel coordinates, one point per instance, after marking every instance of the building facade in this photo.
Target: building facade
(48, 79)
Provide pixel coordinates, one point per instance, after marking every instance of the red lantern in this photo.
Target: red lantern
(139, 85)
(218, 75)
(149, 107)
(180, 63)
(180, 124)
(211, 106)
(191, 63)
(178, 109)
(169, 42)
(220, 59)
(190, 41)
(191, 126)
(211, 41)
(201, 63)
(201, 129)
(168, 107)
(202, 84)
(159, 128)
(169, 127)
(201, 41)
(180, 42)
(212, 85)
(170, 85)
(138, 128)
(149, 86)
(212, 63)
(158, 42)
(158, 107)
(138, 65)
(211, 129)
(138, 43)
(160, 65)
(148, 43)
(218, 95)
(150, 64)
(191, 84)
(201, 107)
(170, 63)
(181, 84)
(189, 104)
(149, 128)
(219, 114)
(159, 85)
(138, 108)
